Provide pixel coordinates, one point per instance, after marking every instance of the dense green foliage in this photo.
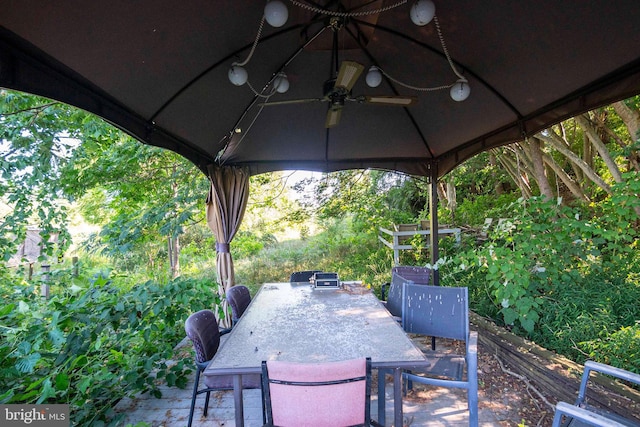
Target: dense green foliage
(93, 342)
(565, 277)
(53, 155)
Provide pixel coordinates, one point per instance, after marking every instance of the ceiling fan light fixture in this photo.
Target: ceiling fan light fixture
(460, 90)
(276, 13)
(422, 12)
(374, 77)
(281, 83)
(238, 75)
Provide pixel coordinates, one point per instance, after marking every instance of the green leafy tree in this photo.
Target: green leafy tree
(36, 145)
(141, 196)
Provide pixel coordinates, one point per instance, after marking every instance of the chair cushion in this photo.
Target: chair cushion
(318, 405)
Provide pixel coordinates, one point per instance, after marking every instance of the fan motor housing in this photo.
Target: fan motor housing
(335, 95)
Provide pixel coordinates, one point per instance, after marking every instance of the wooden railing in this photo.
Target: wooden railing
(392, 239)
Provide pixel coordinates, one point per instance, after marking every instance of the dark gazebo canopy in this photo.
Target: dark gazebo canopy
(159, 70)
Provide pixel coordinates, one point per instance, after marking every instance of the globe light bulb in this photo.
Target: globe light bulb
(460, 90)
(238, 75)
(422, 12)
(281, 83)
(276, 13)
(374, 77)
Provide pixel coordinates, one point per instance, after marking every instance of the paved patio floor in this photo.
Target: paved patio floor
(445, 408)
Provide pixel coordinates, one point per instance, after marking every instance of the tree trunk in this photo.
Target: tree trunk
(451, 198)
(498, 186)
(174, 242)
(535, 151)
(560, 145)
(631, 119)
(512, 170)
(174, 255)
(586, 126)
(562, 138)
(571, 184)
(587, 153)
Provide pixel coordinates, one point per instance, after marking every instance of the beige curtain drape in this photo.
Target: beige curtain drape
(226, 203)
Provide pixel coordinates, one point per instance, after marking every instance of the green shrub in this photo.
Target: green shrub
(621, 348)
(474, 210)
(547, 248)
(91, 346)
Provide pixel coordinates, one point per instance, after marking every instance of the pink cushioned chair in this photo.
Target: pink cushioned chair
(317, 394)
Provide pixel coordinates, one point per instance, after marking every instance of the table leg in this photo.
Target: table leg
(397, 397)
(382, 419)
(237, 400)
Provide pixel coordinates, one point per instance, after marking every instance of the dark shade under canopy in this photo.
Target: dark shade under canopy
(158, 69)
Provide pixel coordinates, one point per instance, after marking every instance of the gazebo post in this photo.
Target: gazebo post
(433, 218)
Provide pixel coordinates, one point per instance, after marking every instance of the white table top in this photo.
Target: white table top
(295, 322)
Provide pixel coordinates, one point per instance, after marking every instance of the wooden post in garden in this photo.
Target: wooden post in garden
(44, 287)
(74, 262)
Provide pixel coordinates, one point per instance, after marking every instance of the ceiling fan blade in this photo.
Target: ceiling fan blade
(400, 101)
(348, 74)
(333, 117)
(292, 101)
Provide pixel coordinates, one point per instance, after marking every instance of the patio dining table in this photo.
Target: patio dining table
(298, 323)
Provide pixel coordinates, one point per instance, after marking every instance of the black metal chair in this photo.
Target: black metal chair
(202, 329)
(239, 299)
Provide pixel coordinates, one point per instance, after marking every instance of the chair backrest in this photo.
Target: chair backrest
(317, 394)
(202, 329)
(394, 297)
(421, 275)
(402, 274)
(302, 276)
(437, 311)
(239, 298)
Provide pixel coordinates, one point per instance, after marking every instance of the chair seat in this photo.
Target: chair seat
(225, 382)
(443, 365)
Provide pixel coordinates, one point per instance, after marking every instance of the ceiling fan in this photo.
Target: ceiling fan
(337, 91)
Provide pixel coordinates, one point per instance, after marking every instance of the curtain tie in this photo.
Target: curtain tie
(222, 248)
